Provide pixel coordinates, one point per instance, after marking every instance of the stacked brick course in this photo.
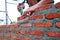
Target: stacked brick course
(42, 25)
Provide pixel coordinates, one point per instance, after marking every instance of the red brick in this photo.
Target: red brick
(21, 31)
(53, 34)
(3, 39)
(3, 30)
(43, 24)
(36, 32)
(12, 31)
(52, 15)
(15, 37)
(38, 39)
(1, 34)
(39, 16)
(58, 24)
(57, 5)
(7, 35)
(26, 25)
(44, 7)
(13, 25)
(26, 38)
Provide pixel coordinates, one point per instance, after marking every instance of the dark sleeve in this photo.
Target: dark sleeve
(38, 0)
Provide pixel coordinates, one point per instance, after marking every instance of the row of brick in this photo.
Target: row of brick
(41, 24)
(11, 25)
(36, 32)
(18, 37)
(36, 24)
(52, 15)
(47, 16)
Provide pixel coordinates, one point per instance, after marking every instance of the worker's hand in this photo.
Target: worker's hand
(27, 13)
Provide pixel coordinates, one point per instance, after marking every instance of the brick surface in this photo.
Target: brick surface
(36, 32)
(26, 38)
(43, 24)
(52, 15)
(26, 25)
(57, 5)
(15, 37)
(13, 25)
(38, 39)
(3, 30)
(58, 24)
(21, 31)
(11, 31)
(53, 34)
(39, 16)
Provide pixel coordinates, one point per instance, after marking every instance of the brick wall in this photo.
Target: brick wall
(42, 25)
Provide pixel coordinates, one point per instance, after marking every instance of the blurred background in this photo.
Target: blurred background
(8, 10)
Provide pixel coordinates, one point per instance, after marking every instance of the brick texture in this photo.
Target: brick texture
(58, 24)
(41, 25)
(57, 5)
(36, 32)
(52, 15)
(53, 34)
(34, 17)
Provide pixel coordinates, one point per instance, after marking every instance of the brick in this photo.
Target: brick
(43, 24)
(36, 32)
(57, 5)
(53, 34)
(44, 7)
(3, 30)
(26, 25)
(52, 15)
(13, 25)
(3, 39)
(7, 35)
(1, 34)
(15, 37)
(26, 38)
(21, 31)
(33, 17)
(11, 31)
(58, 24)
(38, 39)
(3, 26)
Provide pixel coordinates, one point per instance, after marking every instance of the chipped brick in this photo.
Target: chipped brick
(21, 31)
